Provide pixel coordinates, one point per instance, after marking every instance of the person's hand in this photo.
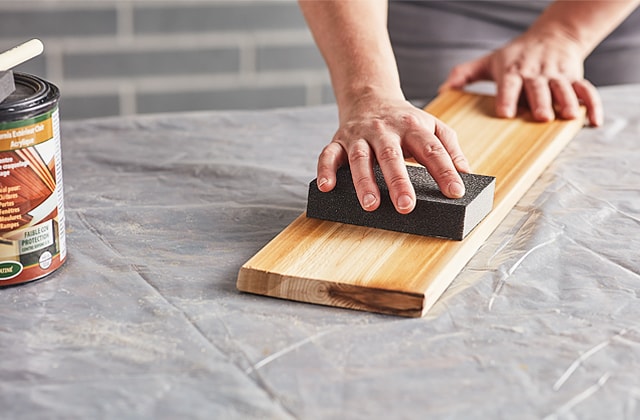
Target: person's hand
(545, 68)
(374, 129)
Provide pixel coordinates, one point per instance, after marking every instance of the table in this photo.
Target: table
(144, 320)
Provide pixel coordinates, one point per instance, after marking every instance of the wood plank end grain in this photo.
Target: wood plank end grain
(321, 292)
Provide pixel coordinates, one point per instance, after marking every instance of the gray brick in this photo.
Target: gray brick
(82, 61)
(240, 98)
(73, 108)
(47, 21)
(289, 58)
(141, 63)
(221, 17)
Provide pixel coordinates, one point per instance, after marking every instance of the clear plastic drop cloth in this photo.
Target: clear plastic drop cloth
(144, 320)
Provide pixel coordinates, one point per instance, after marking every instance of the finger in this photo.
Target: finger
(332, 157)
(361, 164)
(429, 151)
(539, 98)
(588, 94)
(565, 98)
(390, 158)
(449, 139)
(465, 73)
(507, 95)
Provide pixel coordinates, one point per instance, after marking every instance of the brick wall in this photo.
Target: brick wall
(123, 57)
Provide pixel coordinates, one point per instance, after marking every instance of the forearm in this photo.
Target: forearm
(586, 22)
(353, 39)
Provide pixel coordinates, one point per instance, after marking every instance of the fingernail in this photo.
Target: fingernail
(456, 189)
(404, 202)
(322, 181)
(369, 200)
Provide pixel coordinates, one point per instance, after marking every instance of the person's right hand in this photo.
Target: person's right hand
(374, 129)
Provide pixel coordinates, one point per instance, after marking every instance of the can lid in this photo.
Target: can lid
(33, 96)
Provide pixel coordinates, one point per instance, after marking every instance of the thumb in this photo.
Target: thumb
(466, 73)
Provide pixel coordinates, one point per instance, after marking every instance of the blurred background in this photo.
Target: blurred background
(123, 57)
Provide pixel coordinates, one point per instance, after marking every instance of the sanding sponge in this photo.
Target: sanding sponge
(11, 58)
(433, 215)
(7, 84)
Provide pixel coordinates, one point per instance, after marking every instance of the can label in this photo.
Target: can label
(32, 225)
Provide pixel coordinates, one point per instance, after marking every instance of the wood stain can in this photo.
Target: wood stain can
(32, 223)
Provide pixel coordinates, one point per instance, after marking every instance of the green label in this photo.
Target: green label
(9, 269)
(20, 123)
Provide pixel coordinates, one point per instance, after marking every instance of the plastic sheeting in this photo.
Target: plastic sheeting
(144, 320)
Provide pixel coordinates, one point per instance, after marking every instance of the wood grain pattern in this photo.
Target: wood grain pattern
(375, 270)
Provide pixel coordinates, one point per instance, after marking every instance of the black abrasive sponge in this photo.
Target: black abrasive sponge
(434, 214)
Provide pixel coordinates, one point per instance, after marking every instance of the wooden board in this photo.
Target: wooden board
(375, 270)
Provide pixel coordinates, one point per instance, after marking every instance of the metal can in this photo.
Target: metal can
(32, 223)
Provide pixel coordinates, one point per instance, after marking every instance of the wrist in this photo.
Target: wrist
(562, 33)
(583, 23)
(363, 98)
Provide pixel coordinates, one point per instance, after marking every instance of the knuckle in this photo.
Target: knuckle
(511, 80)
(398, 182)
(447, 173)
(329, 150)
(445, 129)
(447, 133)
(585, 85)
(537, 82)
(378, 126)
(514, 69)
(388, 153)
(459, 160)
(331, 154)
(358, 154)
(411, 122)
(362, 183)
(324, 166)
(433, 150)
(346, 131)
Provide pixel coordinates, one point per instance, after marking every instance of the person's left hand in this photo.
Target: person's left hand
(545, 68)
